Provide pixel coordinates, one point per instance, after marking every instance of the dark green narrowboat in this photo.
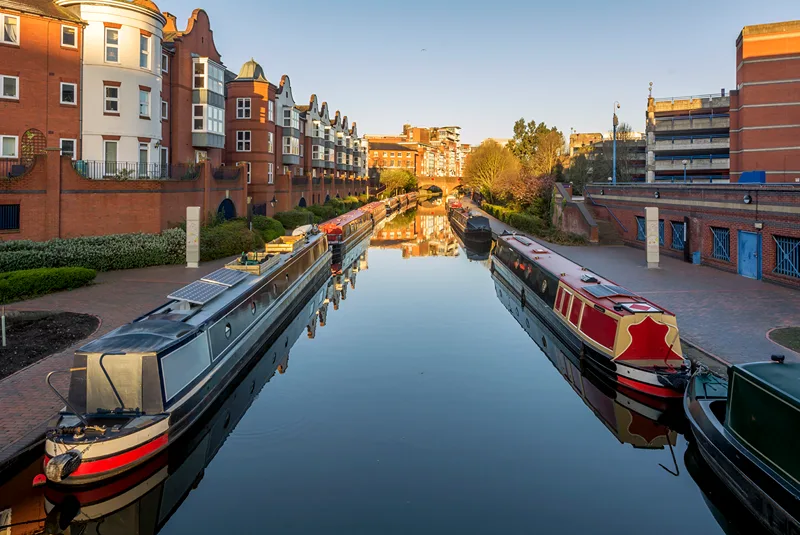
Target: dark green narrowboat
(748, 431)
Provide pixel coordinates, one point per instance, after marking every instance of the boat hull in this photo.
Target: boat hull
(110, 457)
(744, 475)
(640, 380)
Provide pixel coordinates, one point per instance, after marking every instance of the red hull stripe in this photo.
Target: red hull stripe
(658, 391)
(114, 462)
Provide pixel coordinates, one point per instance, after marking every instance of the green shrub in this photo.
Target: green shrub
(103, 253)
(527, 223)
(297, 218)
(323, 211)
(351, 203)
(228, 239)
(24, 284)
(268, 228)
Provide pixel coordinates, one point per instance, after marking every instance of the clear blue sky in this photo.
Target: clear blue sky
(487, 63)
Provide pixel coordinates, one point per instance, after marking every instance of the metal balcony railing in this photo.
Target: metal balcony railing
(299, 181)
(693, 157)
(111, 170)
(14, 167)
(316, 181)
(691, 97)
(226, 172)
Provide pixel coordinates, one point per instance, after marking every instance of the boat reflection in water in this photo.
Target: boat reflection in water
(633, 418)
(143, 500)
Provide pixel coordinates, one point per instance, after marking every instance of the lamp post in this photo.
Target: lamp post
(685, 163)
(614, 166)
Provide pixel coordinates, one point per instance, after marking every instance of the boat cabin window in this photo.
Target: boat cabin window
(532, 274)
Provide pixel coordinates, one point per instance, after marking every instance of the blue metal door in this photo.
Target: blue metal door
(750, 254)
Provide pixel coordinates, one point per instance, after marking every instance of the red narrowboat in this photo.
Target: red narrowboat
(348, 236)
(377, 210)
(626, 337)
(391, 204)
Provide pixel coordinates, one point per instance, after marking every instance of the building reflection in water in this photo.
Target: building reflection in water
(419, 231)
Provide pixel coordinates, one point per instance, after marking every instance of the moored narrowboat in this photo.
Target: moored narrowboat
(471, 227)
(348, 236)
(377, 211)
(137, 389)
(626, 337)
(746, 429)
(392, 204)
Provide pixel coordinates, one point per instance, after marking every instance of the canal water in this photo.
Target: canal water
(423, 405)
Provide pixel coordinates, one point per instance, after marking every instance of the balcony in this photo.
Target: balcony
(703, 162)
(291, 159)
(109, 170)
(329, 165)
(316, 181)
(300, 181)
(226, 172)
(14, 168)
(684, 123)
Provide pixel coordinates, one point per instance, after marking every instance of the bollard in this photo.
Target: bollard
(3, 325)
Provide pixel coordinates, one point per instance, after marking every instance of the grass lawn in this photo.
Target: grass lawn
(787, 337)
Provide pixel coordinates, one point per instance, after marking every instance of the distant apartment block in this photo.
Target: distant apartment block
(439, 151)
(691, 133)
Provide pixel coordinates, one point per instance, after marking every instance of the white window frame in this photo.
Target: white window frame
(144, 51)
(74, 28)
(3, 17)
(287, 119)
(201, 76)
(74, 147)
(164, 62)
(163, 150)
(243, 110)
(107, 99)
(270, 173)
(315, 149)
(107, 46)
(149, 107)
(164, 110)
(248, 169)
(61, 93)
(16, 146)
(202, 116)
(215, 120)
(16, 90)
(271, 111)
(105, 152)
(146, 171)
(242, 144)
(271, 142)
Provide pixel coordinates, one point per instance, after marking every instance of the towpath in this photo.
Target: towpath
(723, 314)
(26, 403)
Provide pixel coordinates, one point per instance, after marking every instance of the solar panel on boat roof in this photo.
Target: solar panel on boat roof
(198, 292)
(606, 290)
(225, 276)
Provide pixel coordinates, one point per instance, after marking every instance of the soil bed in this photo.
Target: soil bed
(32, 336)
(788, 337)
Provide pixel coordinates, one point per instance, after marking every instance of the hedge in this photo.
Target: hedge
(103, 253)
(24, 284)
(533, 225)
(324, 211)
(228, 239)
(268, 228)
(296, 218)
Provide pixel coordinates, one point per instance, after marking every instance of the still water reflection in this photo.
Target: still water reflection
(417, 404)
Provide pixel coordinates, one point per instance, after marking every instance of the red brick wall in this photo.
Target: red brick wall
(771, 206)
(41, 64)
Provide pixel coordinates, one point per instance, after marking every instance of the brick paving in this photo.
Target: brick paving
(26, 403)
(722, 313)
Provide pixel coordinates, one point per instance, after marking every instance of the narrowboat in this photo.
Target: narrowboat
(412, 197)
(392, 204)
(377, 211)
(135, 390)
(151, 493)
(624, 336)
(471, 227)
(633, 418)
(747, 428)
(348, 236)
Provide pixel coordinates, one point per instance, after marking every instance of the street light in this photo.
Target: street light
(616, 122)
(273, 202)
(685, 163)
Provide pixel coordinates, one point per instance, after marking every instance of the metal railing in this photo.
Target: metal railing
(787, 256)
(610, 211)
(226, 172)
(111, 170)
(316, 181)
(691, 117)
(693, 157)
(14, 167)
(709, 137)
(692, 97)
(299, 181)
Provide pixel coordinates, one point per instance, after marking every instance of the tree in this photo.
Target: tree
(537, 146)
(491, 169)
(398, 179)
(602, 164)
(580, 173)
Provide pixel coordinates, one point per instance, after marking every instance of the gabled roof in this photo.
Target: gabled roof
(43, 8)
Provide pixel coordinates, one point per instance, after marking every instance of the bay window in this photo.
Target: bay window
(208, 118)
(291, 145)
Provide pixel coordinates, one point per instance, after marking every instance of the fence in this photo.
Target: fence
(225, 173)
(111, 170)
(14, 167)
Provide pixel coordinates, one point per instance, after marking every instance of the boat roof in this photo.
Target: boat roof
(147, 336)
(784, 377)
(373, 206)
(596, 289)
(342, 219)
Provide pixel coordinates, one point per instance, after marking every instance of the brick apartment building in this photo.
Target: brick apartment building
(116, 120)
(748, 228)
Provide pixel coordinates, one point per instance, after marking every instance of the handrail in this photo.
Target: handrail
(62, 398)
(610, 211)
(690, 97)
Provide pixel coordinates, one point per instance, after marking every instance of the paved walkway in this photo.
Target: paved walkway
(724, 314)
(117, 297)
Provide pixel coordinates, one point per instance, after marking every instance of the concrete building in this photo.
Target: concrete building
(688, 133)
(122, 75)
(765, 107)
